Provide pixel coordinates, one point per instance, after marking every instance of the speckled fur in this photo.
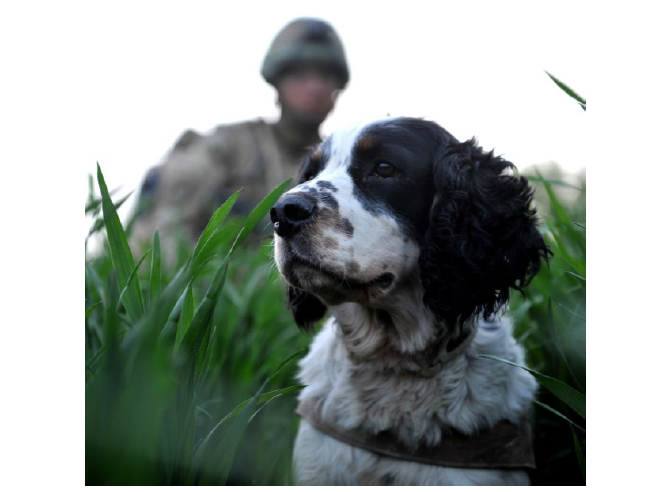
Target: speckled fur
(469, 394)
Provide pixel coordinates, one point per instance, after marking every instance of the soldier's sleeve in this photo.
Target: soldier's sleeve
(186, 139)
(183, 200)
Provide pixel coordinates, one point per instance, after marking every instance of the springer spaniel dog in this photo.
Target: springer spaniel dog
(413, 241)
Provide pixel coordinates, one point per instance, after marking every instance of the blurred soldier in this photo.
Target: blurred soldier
(307, 66)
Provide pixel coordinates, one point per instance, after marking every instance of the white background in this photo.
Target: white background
(158, 69)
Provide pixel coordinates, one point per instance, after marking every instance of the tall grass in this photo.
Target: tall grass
(161, 390)
(190, 370)
(171, 355)
(551, 323)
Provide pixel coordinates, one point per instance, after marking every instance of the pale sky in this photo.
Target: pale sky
(477, 68)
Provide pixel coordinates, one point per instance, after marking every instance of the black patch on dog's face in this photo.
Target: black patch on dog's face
(326, 185)
(314, 164)
(409, 145)
(328, 199)
(418, 191)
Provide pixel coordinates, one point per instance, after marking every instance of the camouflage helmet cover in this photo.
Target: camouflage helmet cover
(305, 40)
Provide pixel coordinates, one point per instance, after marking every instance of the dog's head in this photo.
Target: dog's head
(399, 200)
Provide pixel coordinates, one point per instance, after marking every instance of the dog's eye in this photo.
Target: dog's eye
(385, 170)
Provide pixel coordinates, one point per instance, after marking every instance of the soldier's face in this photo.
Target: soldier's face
(308, 93)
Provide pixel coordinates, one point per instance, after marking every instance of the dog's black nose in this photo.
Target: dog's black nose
(291, 213)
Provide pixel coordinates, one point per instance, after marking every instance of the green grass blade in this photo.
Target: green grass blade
(576, 275)
(216, 220)
(91, 194)
(94, 204)
(558, 343)
(175, 293)
(132, 276)
(226, 234)
(187, 313)
(170, 330)
(98, 225)
(300, 353)
(264, 397)
(581, 100)
(565, 226)
(576, 400)
(155, 276)
(579, 454)
(559, 414)
(111, 333)
(202, 354)
(148, 333)
(200, 324)
(571, 312)
(121, 255)
(222, 457)
(93, 280)
(260, 211)
(262, 406)
(556, 205)
(200, 251)
(91, 364)
(92, 308)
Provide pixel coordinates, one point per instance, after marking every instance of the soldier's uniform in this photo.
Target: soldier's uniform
(201, 172)
(197, 178)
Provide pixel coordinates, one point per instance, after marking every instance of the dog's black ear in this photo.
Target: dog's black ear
(306, 308)
(482, 237)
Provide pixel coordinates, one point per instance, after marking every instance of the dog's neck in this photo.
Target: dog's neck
(400, 334)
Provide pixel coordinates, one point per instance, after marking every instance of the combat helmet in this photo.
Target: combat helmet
(305, 40)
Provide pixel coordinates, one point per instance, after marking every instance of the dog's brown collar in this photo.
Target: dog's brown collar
(505, 445)
(440, 354)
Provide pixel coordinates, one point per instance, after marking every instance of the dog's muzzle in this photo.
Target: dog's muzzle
(290, 213)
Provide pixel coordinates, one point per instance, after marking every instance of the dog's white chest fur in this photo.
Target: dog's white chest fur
(415, 408)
